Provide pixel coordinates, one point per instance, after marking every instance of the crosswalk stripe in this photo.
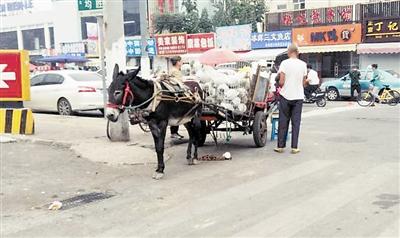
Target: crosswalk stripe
(293, 219)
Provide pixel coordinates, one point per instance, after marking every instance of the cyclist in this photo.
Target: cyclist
(376, 82)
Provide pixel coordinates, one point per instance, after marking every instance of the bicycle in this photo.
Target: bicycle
(388, 96)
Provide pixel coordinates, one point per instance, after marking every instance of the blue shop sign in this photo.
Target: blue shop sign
(271, 39)
(133, 47)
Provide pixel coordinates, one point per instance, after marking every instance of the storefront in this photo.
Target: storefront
(329, 49)
(381, 44)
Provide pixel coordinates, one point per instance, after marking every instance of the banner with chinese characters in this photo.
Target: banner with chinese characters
(235, 38)
(73, 48)
(134, 47)
(272, 39)
(200, 42)
(171, 44)
(382, 30)
(327, 35)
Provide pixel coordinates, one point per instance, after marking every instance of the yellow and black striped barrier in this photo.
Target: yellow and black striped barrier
(16, 121)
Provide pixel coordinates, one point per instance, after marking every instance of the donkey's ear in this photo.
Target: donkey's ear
(134, 73)
(116, 70)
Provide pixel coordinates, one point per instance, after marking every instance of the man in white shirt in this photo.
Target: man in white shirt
(312, 82)
(292, 77)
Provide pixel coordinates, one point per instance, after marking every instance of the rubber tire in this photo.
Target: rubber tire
(64, 100)
(332, 90)
(259, 128)
(203, 133)
(368, 103)
(396, 99)
(321, 102)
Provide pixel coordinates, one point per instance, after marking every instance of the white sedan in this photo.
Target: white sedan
(66, 91)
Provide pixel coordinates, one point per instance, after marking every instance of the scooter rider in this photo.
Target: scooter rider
(312, 81)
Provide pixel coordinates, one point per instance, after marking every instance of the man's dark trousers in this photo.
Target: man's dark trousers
(289, 110)
(356, 87)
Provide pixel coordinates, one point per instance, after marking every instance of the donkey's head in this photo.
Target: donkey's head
(119, 93)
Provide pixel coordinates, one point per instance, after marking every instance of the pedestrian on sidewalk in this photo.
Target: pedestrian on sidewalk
(176, 73)
(292, 78)
(355, 77)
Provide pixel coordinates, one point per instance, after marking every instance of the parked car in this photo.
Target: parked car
(340, 88)
(66, 91)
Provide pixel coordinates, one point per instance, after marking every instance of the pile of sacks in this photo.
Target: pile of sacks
(224, 87)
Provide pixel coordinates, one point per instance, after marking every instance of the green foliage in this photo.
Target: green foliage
(205, 24)
(169, 23)
(227, 13)
(235, 12)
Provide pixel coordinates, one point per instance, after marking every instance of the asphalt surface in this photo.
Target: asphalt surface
(344, 183)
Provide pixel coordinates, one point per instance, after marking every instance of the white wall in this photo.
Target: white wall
(66, 21)
(384, 61)
(272, 4)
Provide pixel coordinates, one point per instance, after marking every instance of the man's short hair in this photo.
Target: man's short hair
(175, 60)
(374, 66)
(292, 48)
(309, 66)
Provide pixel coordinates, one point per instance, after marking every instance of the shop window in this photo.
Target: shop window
(33, 39)
(281, 6)
(299, 4)
(52, 44)
(131, 17)
(85, 20)
(9, 40)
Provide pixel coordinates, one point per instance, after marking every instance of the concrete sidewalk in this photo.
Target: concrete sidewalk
(86, 136)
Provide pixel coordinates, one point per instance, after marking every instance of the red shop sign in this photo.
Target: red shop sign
(171, 44)
(200, 42)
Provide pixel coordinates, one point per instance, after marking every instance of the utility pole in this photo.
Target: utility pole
(115, 53)
(144, 32)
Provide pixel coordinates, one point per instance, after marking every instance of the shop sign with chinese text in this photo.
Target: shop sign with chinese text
(272, 39)
(171, 44)
(134, 47)
(200, 42)
(327, 35)
(382, 30)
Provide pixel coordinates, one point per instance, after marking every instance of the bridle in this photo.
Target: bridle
(127, 92)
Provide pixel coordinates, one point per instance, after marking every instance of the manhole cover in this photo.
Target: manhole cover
(84, 199)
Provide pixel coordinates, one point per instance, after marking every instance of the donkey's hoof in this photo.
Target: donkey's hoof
(158, 176)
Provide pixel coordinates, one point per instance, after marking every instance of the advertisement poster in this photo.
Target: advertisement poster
(235, 38)
(382, 30)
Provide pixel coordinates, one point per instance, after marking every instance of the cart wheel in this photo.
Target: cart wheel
(260, 129)
(203, 133)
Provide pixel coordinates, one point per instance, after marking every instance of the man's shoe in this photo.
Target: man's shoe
(176, 136)
(295, 151)
(279, 150)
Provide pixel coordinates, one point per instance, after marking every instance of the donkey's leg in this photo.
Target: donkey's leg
(197, 135)
(189, 147)
(158, 130)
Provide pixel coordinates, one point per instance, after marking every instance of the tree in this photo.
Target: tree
(169, 23)
(205, 24)
(191, 14)
(237, 12)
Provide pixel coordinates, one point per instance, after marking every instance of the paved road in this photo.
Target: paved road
(344, 183)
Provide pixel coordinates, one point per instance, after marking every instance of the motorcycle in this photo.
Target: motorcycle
(317, 97)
